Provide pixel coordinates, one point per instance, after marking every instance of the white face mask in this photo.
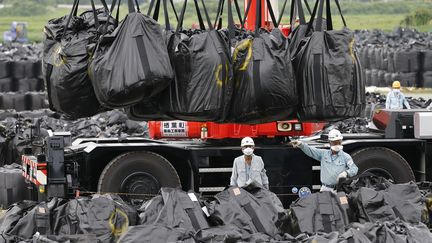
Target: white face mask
(248, 151)
(396, 91)
(336, 148)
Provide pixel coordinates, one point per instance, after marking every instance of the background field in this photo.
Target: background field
(385, 15)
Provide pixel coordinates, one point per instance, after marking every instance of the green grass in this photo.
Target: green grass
(368, 19)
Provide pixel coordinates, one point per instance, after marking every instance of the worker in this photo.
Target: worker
(249, 167)
(395, 98)
(335, 163)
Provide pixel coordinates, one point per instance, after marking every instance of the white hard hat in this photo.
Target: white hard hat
(334, 135)
(247, 141)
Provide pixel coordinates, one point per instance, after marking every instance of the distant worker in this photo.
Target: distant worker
(335, 163)
(395, 98)
(249, 167)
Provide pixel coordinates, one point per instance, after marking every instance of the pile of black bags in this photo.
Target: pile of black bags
(21, 82)
(366, 209)
(208, 74)
(20, 68)
(403, 55)
(21, 129)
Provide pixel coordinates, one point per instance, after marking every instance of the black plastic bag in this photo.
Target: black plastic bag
(328, 71)
(134, 66)
(264, 82)
(201, 90)
(65, 62)
(151, 109)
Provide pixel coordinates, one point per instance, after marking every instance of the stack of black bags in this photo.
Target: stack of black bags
(21, 79)
(94, 62)
(403, 55)
(365, 209)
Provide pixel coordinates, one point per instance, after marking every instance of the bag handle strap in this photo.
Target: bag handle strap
(272, 15)
(73, 12)
(238, 11)
(297, 10)
(231, 32)
(329, 16)
(312, 19)
(307, 6)
(246, 13)
(258, 17)
(281, 13)
(200, 19)
(340, 12)
(318, 26)
(94, 14)
(198, 11)
(174, 9)
(218, 20)
(182, 13)
(211, 27)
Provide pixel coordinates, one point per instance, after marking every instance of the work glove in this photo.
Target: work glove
(342, 175)
(296, 143)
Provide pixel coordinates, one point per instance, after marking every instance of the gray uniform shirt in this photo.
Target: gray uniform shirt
(241, 176)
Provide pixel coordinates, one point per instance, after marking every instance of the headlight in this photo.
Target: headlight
(284, 126)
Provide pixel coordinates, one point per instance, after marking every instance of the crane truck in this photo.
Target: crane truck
(199, 156)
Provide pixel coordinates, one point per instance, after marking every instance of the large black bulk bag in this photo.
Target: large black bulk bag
(4, 69)
(201, 60)
(374, 77)
(427, 79)
(11, 217)
(427, 60)
(328, 72)
(151, 109)
(65, 63)
(21, 69)
(135, 66)
(406, 79)
(27, 84)
(264, 83)
(390, 63)
(320, 212)
(388, 79)
(406, 61)
(372, 58)
(12, 185)
(370, 205)
(105, 216)
(175, 208)
(6, 84)
(298, 33)
(368, 77)
(381, 80)
(237, 207)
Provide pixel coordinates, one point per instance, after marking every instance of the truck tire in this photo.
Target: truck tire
(383, 162)
(138, 172)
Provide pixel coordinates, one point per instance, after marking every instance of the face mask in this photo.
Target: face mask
(336, 148)
(248, 151)
(396, 91)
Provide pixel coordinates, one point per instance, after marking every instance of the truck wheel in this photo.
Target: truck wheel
(139, 172)
(383, 162)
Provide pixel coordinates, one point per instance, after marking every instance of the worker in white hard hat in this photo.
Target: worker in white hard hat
(335, 163)
(395, 98)
(249, 167)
